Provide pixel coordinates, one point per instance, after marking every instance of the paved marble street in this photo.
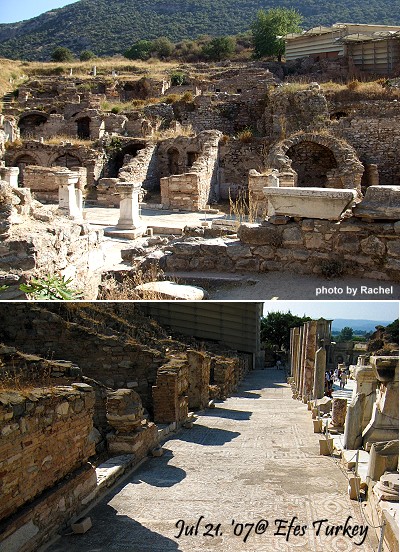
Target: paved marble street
(251, 460)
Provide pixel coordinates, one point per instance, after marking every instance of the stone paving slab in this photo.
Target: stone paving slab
(253, 459)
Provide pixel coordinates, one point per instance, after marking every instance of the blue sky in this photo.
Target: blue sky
(11, 12)
(353, 310)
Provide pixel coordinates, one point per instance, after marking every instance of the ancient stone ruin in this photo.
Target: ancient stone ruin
(115, 385)
(317, 170)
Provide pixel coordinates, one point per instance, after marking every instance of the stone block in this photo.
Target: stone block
(373, 246)
(380, 202)
(82, 525)
(318, 203)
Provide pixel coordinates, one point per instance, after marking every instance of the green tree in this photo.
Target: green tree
(140, 50)
(269, 28)
(62, 54)
(86, 55)
(392, 332)
(162, 47)
(220, 47)
(346, 334)
(275, 329)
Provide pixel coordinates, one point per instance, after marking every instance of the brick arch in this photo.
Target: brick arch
(348, 170)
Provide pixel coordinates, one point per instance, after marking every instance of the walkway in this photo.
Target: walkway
(253, 458)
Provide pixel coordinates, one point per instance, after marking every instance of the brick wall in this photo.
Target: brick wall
(170, 392)
(199, 379)
(35, 430)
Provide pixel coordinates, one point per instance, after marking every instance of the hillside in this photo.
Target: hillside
(363, 325)
(108, 27)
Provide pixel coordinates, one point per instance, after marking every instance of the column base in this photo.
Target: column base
(128, 233)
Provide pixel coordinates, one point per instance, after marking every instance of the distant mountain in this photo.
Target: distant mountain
(111, 26)
(362, 325)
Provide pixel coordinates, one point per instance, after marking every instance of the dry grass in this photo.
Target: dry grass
(23, 373)
(174, 132)
(113, 290)
(12, 75)
(57, 139)
(124, 67)
(245, 210)
(357, 91)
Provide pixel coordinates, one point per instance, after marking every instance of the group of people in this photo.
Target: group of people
(334, 375)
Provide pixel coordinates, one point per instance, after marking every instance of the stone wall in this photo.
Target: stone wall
(309, 246)
(113, 360)
(375, 136)
(194, 189)
(236, 159)
(39, 521)
(34, 431)
(142, 168)
(170, 393)
(34, 152)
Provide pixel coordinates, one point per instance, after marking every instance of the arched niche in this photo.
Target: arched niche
(312, 163)
(29, 123)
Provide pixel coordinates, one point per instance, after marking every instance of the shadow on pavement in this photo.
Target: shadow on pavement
(113, 532)
(209, 437)
(227, 413)
(159, 473)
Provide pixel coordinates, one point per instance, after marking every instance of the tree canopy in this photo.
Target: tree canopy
(346, 334)
(62, 54)
(275, 329)
(219, 48)
(268, 29)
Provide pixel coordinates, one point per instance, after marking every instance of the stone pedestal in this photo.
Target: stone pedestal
(10, 175)
(326, 446)
(384, 457)
(129, 224)
(353, 423)
(67, 198)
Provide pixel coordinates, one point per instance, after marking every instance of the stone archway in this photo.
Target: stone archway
(312, 163)
(28, 123)
(339, 160)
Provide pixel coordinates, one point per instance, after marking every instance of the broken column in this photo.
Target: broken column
(170, 392)
(129, 224)
(132, 433)
(319, 377)
(80, 186)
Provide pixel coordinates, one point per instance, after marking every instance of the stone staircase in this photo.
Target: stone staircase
(7, 101)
